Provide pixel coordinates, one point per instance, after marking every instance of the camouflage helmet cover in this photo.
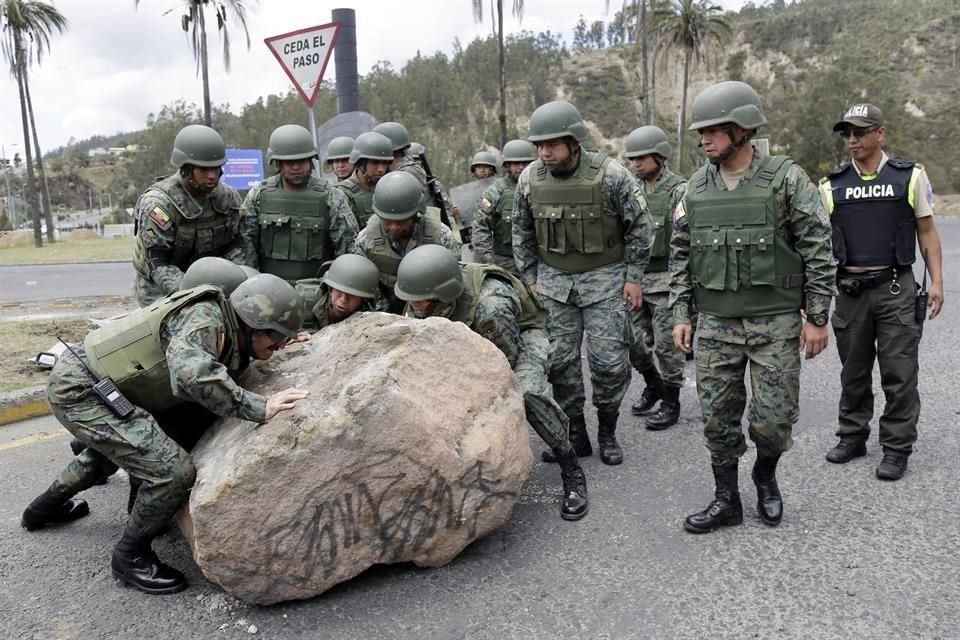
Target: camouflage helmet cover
(268, 303)
(353, 274)
(646, 141)
(396, 132)
(291, 142)
(372, 146)
(339, 148)
(519, 151)
(429, 272)
(199, 146)
(554, 120)
(211, 270)
(398, 196)
(730, 102)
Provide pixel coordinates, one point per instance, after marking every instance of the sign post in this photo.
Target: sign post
(304, 55)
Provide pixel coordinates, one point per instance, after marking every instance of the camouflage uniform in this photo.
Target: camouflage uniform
(338, 237)
(492, 225)
(769, 343)
(411, 166)
(173, 230)
(193, 341)
(590, 302)
(318, 315)
(359, 199)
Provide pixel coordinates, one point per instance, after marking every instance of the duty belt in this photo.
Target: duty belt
(871, 279)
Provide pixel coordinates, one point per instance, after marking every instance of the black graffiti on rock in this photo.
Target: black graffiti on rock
(374, 507)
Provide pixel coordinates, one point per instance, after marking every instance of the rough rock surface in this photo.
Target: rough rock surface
(411, 444)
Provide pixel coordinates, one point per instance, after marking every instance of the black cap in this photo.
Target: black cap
(860, 115)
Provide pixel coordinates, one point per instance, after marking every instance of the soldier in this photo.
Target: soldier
(648, 150)
(581, 239)
(500, 307)
(293, 221)
(751, 244)
(347, 285)
(371, 157)
(483, 165)
(397, 228)
(493, 222)
(880, 207)
(338, 157)
(416, 153)
(185, 216)
(185, 348)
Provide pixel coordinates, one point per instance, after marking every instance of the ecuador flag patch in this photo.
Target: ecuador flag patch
(161, 218)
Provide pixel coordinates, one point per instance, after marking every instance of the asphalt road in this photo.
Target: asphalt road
(24, 283)
(854, 557)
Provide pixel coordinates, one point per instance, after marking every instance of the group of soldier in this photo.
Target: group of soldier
(569, 244)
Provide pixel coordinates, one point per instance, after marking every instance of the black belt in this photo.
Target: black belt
(871, 279)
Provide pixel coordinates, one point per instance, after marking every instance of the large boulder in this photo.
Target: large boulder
(411, 444)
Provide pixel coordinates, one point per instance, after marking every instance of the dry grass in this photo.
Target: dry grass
(98, 250)
(24, 339)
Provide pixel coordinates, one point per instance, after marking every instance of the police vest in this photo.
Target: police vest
(662, 213)
(574, 232)
(294, 229)
(427, 230)
(503, 227)
(873, 222)
(361, 200)
(200, 230)
(532, 314)
(741, 266)
(131, 353)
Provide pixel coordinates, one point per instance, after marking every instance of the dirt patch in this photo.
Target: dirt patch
(81, 234)
(16, 238)
(24, 339)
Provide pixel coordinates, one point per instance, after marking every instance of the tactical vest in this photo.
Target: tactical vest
(427, 231)
(873, 222)
(200, 230)
(310, 290)
(130, 350)
(662, 213)
(360, 198)
(741, 266)
(294, 230)
(532, 314)
(503, 227)
(574, 232)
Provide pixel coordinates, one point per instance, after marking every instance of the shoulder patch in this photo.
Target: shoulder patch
(161, 218)
(485, 204)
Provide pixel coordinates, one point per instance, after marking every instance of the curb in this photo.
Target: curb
(23, 404)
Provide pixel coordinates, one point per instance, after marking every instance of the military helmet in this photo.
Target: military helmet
(397, 196)
(340, 148)
(727, 102)
(519, 151)
(219, 272)
(291, 142)
(268, 303)
(398, 134)
(429, 272)
(199, 146)
(485, 158)
(353, 274)
(416, 149)
(554, 120)
(372, 146)
(250, 271)
(646, 141)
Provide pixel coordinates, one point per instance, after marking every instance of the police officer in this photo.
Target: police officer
(185, 216)
(751, 244)
(185, 348)
(338, 157)
(493, 222)
(371, 156)
(294, 221)
(399, 226)
(498, 306)
(648, 150)
(483, 165)
(880, 207)
(581, 239)
(349, 284)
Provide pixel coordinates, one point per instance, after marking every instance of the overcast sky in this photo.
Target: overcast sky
(117, 62)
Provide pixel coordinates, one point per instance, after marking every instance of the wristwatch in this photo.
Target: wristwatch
(817, 319)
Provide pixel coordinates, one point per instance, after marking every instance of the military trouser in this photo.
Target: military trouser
(609, 334)
(543, 413)
(774, 408)
(655, 318)
(878, 325)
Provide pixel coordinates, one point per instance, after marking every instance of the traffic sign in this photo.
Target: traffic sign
(304, 54)
(244, 168)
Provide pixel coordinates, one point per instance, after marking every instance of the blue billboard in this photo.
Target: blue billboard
(244, 168)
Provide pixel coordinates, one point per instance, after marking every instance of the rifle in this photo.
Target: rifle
(435, 192)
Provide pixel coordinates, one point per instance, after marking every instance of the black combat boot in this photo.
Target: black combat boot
(725, 510)
(135, 564)
(652, 392)
(574, 505)
(669, 412)
(578, 439)
(610, 451)
(769, 502)
(52, 507)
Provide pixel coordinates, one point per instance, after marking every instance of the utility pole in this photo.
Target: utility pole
(11, 199)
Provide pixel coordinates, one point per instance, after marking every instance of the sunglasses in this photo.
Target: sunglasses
(857, 133)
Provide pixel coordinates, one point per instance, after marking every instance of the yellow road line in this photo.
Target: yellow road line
(24, 411)
(39, 437)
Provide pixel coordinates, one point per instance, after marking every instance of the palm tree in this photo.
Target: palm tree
(691, 26)
(27, 27)
(194, 14)
(498, 29)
